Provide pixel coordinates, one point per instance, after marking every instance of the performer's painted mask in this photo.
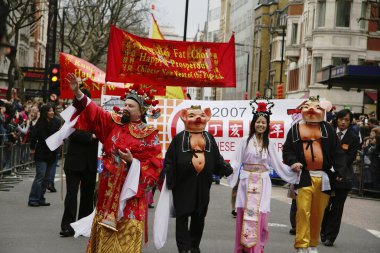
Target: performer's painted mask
(195, 119)
(314, 110)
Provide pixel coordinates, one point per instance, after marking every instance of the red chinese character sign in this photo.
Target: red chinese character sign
(140, 60)
(276, 129)
(215, 127)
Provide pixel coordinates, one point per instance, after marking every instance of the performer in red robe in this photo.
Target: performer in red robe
(131, 167)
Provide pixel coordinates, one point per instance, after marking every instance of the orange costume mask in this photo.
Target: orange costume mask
(314, 110)
(195, 119)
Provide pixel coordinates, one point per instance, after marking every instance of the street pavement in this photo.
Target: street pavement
(36, 229)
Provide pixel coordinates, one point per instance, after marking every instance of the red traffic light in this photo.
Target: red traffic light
(54, 71)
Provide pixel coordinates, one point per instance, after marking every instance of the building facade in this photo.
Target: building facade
(240, 18)
(329, 32)
(30, 42)
(269, 38)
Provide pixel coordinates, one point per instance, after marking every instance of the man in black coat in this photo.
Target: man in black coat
(191, 160)
(350, 144)
(80, 169)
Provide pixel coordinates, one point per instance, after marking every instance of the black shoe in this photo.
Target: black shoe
(44, 204)
(292, 231)
(66, 233)
(323, 238)
(51, 188)
(150, 206)
(195, 250)
(33, 204)
(329, 243)
(234, 213)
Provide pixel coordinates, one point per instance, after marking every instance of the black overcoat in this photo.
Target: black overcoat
(82, 152)
(191, 190)
(334, 158)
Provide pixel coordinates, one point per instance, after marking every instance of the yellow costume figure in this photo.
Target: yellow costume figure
(313, 149)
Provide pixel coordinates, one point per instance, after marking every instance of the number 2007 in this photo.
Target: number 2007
(228, 112)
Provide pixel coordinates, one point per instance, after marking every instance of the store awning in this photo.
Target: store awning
(350, 77)
(372, 95)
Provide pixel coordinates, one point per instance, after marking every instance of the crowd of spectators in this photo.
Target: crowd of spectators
(17, 120)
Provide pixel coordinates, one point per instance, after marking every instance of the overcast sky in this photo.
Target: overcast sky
(172, 13)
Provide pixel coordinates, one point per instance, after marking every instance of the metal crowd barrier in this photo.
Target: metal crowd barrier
(15, 161)
(366, 181)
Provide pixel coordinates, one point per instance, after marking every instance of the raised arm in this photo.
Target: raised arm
(92, 117)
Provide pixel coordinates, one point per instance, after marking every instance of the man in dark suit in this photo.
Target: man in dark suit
(80, 169)
(350, 144)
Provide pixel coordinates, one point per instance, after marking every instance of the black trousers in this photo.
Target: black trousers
(86, 180)
(293, 212)
(189, 238)
(333, 215)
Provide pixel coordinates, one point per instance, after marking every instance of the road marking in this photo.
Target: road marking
(277, 225)
(224, 184)
(374, 232)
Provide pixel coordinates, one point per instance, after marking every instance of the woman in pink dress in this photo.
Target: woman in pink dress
(254, 159)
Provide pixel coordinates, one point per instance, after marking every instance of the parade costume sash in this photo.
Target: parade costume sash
(251, 216)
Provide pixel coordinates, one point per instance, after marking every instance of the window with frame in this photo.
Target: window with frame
(294, 33)
(337, 61)
(317, 66)
(321, 13)
(363, 15)
(343, 11)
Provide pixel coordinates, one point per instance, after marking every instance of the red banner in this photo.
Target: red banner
(132, 59)
(92, 78)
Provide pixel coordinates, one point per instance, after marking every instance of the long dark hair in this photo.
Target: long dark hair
(252, 130)
(44, 112)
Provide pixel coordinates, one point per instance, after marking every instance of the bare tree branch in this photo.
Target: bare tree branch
(87, 28)
(22, 14)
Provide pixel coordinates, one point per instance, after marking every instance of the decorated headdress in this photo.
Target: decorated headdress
(261, 106)
(144, 98)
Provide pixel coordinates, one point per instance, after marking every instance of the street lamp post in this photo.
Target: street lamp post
(246, 84)
(186, 13)
(283, 21)
(63, 28)
(247, 77)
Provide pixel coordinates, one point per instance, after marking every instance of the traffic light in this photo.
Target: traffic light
(280, 91)
(54, 78)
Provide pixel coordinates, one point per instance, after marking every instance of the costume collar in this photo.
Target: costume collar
(186, 147)
(296, 135)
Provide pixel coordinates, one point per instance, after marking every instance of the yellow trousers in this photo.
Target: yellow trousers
(311, 204)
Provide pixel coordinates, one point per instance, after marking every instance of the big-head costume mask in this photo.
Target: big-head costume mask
(313, 110)
(195, 119)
